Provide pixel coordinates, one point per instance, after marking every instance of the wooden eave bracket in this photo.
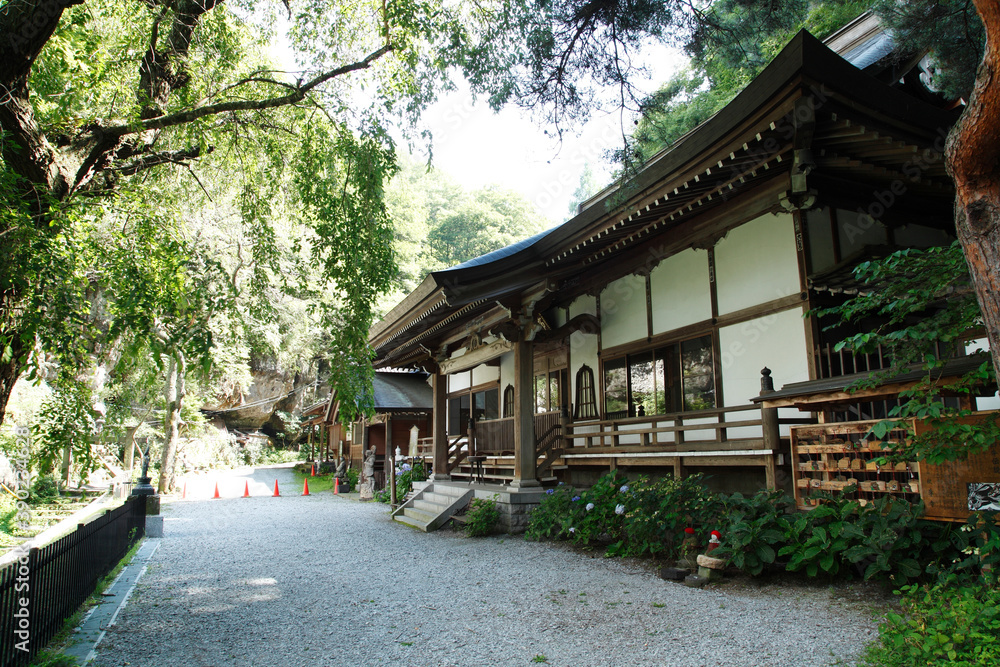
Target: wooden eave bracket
(585, 323)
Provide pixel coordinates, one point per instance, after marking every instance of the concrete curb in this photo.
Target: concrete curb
(91, 631)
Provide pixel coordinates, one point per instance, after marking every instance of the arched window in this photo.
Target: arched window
(586, 397)
(508, 401)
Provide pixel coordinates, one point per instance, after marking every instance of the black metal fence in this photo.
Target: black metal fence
(43, 588)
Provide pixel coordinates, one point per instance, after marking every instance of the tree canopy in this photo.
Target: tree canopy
(102, 98)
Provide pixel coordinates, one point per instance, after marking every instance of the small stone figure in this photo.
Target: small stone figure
(341, 472)
(367, 485)
(689, 550)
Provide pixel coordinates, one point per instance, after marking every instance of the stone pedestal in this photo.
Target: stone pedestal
(710, 568)
(154, 520)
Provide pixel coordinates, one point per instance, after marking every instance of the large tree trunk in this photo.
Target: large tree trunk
(9, 372)
(175, 399)
(973, 158)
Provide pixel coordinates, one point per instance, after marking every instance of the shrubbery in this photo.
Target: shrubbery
(406, 475)
(882, 540)
(482, 517)
(941, 625)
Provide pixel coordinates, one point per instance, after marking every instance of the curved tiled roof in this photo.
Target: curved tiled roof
(502, 253)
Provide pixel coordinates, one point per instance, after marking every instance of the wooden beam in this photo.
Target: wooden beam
(475, 357)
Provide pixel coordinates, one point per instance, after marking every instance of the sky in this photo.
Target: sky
(478, 147)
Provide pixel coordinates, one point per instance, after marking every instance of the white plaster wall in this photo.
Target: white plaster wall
(776, 341)
(695, 436)
(482, 374)
(459, 381)
(757, 263)
(681, 293)
(623, 311)
(506, 373)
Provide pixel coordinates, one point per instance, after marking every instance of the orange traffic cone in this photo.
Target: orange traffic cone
(246, 489)
(276, 494)
(184, 491)
(216, 491)
(305, 488)
(336, 486)
(313, 473)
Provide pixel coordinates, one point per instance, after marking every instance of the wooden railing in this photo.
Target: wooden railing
(670, 431)
(548, 443)
(458, 450)
(495, 436)
(726, 429)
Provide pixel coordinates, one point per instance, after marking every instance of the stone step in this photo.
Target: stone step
(410, 521)
(453, 491)
(419, 515)
(439, 498)
(426, 505)
(433, 507)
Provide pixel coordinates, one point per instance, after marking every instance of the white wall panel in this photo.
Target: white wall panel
(459, 381)
(506, 373)
(623, 311)
(776, 341)
(681, 293)
(483, 374)
(757, 263)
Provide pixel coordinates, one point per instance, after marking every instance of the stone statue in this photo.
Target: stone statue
(341, 471)
(366, 487)
(145, 462)
(143, 487)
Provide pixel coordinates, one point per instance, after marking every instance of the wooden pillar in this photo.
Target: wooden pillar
(769, 427)
(440, 445)
(678, 468)
(525, 456)
(390, 462)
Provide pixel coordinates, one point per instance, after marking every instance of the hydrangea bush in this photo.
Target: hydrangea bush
(670, 519)
(635, 518)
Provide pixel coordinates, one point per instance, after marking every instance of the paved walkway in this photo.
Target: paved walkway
(322, 580)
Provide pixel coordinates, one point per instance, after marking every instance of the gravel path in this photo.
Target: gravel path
(323, 580)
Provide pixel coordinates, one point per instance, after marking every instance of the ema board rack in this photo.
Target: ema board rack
(838, 457)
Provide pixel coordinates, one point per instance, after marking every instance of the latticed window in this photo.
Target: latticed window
(508, 401)
(586, 397)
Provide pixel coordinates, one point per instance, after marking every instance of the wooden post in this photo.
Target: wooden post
(390, 460)
(440, 445)
(525, 456)
(769, 427)
(678, 468)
